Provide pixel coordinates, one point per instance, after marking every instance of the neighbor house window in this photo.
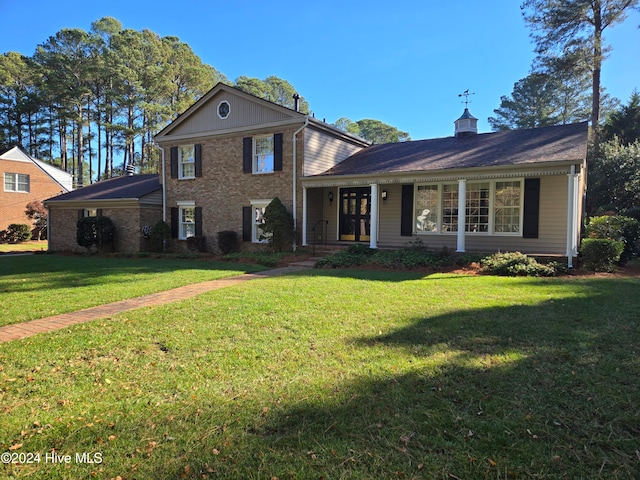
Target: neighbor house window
(186, 220)
(263, 154)
(16, 182)
(258, 208)
(491, 207)
(186, 161)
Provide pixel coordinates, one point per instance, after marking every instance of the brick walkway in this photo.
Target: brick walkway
(42, 325)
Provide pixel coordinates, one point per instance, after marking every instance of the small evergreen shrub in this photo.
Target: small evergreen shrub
(98, 231)
(278, 226)
(228, 242)
(18, 232)
(614, 227)
(197, 244)
(159, 236)
(516, 264)
(267, 259)
(600, 254)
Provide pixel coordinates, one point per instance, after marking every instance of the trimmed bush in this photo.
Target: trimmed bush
(18, 232)
(624, 229)
(98, 231)
(278, 226)
(159, 236)
(197, 244)
(600, 254)
(228, 242)
(516, 264)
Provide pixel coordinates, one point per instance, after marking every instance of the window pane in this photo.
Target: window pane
(23, 183)
(188, 170)
(263, 160)
(9, 182)
(264, 145)
(507, 207)
(264, 163)
(187, 154)
(477, 207)
(426, 212)
(187, 161)
(450, 208)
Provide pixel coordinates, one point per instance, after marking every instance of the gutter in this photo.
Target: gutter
(295, 178)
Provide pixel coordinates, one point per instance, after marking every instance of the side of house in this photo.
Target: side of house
(26, 179)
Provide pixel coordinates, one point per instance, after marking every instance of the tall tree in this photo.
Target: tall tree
(374, 131)
(569, 33)
(624, 123)
(540, 100)
(274, 89)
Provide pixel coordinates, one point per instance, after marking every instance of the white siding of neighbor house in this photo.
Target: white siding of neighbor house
(243, 112)
(323, 151)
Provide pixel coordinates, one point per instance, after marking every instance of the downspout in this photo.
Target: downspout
(570, 215)
(164, 191)
(295, 180)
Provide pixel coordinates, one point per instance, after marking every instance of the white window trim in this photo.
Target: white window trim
(218, 110)
(492, 196)
(16, 182)
(254, 156)
(261, 203)
(181, 206)
(181, 176)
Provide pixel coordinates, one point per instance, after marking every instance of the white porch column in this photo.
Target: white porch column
(373, 237)
(304, 216)
(462, 213)
(572, 216)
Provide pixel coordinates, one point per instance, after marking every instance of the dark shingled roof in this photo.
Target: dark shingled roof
(129, 187)
(512, 147)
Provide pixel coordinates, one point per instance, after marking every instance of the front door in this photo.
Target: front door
(355, 214)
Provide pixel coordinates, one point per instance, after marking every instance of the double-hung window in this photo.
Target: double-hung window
(186, 161)
(263, 155)
(16, 182)
(492, 207)
(258, 208)
(186, 220)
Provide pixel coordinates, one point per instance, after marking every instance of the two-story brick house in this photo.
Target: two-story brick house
(26, 179)
(229, 155)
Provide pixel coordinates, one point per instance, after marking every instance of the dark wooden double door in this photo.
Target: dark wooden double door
(355, 214)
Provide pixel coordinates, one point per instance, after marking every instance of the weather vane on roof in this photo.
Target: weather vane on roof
(466, 94)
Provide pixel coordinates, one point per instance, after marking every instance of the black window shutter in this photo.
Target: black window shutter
(246, 224)
(531, 208)
(406, 216)
(175, 214)
(198, 154)
(198, 220)
(174, 162)
(99, 212)
(81, 214)
(247, 154)
(277, 152)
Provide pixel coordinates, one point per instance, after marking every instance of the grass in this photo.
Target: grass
(38, 286)
(31, 246)
(340, 375)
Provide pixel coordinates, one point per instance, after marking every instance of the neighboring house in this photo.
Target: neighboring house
(132, 202)
(26, 179)
(231, 153)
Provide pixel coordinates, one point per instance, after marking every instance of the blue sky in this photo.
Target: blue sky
(401, 62)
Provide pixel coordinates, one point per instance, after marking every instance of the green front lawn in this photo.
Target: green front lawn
(339, 375)
(36, 286)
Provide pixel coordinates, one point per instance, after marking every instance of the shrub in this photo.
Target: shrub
(600, 254)
(98, 231)
(619, 228)
(228, 242)
(516, 264)
(197, 244)
(18, 232)
(159, 236)
(278, 226)
(36, 212)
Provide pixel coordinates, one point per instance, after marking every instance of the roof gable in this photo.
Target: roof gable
(562, 143)
(62, 178)
(246, 110)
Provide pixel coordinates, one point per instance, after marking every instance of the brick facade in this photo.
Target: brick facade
(223, 189)
(13, 204)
